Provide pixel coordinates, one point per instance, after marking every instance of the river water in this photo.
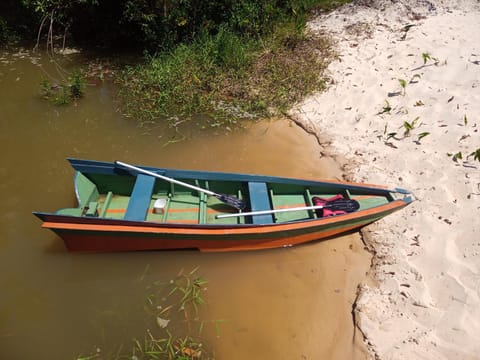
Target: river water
(290, 303)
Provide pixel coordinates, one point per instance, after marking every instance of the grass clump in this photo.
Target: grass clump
(226, 76)
(175, 328)
(64, 92)
(185, 81)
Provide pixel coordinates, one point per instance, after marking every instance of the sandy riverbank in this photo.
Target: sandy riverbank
(404, 110)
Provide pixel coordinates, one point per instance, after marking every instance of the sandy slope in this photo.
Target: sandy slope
(427, 263)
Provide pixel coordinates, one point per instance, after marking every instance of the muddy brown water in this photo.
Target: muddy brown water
(292, 303)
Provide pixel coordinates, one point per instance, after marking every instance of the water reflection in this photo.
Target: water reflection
(285, 304)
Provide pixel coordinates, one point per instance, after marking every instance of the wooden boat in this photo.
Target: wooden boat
(126, 208)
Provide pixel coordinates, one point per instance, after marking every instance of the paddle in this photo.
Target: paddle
(346, 205)
(227, 199)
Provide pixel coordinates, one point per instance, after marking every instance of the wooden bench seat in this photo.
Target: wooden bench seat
(140, 199)
(260, 201)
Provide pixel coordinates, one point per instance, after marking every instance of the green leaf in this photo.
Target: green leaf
(475, 154)
(386, 108)
(426, 57)
(457, 156)
(391, 135)
(422, 135)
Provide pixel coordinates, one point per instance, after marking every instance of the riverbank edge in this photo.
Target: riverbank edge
(412, 311)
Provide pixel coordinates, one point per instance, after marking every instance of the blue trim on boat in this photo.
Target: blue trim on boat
(260, 201)
(401, 191)
(140, 200)
(91, 166)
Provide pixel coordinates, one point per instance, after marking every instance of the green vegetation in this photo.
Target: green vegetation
(421, 136)
(66, 92)
(220, 60)
(155, 25)
(232, 74)
(475, 154)
(4, 31)
(414, 79)
(386, 108)
(405, 30)
(409, 126)
(166, 338)
(403, 84)
(427, 57)
(228, 77)
(459, 156)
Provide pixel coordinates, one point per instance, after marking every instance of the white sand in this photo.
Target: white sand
(427, 256)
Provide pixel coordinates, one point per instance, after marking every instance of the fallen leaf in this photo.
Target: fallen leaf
(162, 323)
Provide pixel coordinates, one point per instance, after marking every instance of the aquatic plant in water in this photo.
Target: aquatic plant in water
(172, 307)
(65, 92)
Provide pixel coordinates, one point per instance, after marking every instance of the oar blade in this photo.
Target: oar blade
(232, 201)
(347, 205)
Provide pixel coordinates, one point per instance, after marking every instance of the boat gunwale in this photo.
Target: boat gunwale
(117, 225)
(110, 168)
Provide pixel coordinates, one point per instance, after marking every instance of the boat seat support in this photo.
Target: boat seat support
(140, 199)
(260, 201)
(106, 204)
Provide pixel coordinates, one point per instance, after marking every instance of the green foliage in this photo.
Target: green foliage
(427, 57)
(156, 24)
(61, 11)
(77, 85)
(391, 135)
(45, 88)
(457, 156)
(422, 135)
(414, 78)
(62, 97)
(386, 108)
(475, 154)
(225, 49)
(253, 17)
(4, 31)
(65, 92)
(409, 126)
(403, 84)
(223, 60)
(164, 302)
(227, 77)
(405, 30)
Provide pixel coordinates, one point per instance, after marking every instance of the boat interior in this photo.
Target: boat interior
(145, 198)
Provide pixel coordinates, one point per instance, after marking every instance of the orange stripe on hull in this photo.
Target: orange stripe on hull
(182, 221)
(116, 211)
(130, 237)
(222, 230)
